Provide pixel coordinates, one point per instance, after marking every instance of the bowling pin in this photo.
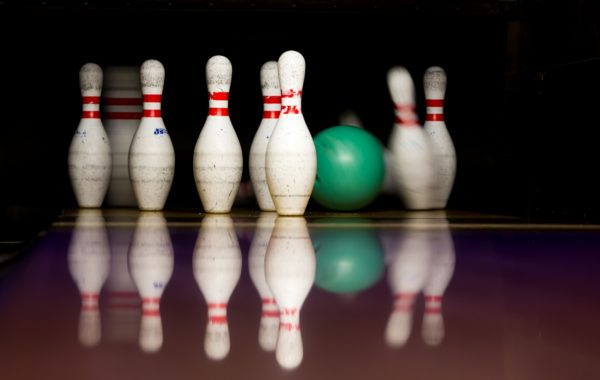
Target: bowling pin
(269, 80)
(291, 161)
(217, 266)
(406, 276)
(151, 262)
(122, 299)
(90, 154)
(269, 321)
(122, 100)
(89, 261)
(440, 273)
(290, 266)
(218, 160)
(151, 155)
(349, 117)
(444, 154)
(412, 159)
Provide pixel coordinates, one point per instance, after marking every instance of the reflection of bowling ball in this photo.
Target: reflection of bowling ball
(349, 259)
(350, 168)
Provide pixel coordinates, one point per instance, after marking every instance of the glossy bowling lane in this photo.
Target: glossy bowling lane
(108, 294)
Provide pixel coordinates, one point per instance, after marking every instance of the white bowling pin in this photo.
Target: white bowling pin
(89, 261)
(444, 154)
(269, 321)
(122, 298)
(290, 266)
(412, 159)
(439, 275)
(122, 101)
(217, 266)
(151, 261)
(90, 154)
(218, 160)
(291, 161)
(269, 80)
(151, 155)
(406, 276)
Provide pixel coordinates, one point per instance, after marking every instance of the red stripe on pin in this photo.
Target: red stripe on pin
(152, 113)
(433, 310)
(151, 300)
(434, 102)
(218, 95)
(435, 117)
(91, 100)
(405, 296)
(90, 115)
(218, 111)
(152, 98)
(404, 107)
(122, 101)
(271, 99)
(151, 313)
(89, 308)
(218, 320)
(217, 305)
(402, 309)
(433, 298)
(405, 123)
(123, 115)
(271, 114)
(89, 296)
(268, 301)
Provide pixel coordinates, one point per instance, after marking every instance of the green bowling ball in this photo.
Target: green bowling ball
(350, 168)
(349, 260)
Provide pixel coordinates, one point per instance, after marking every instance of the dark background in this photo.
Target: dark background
(521, 104)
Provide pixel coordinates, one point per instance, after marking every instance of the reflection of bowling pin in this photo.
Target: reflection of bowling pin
(122, 299)
(444, 154)
(412, 159)
(269, 81)
(218, 160)
(406, 274)
(89, 152)
(269, 321)
(89, 257)
(217, 265)
(151, 154)
(151, 265)
(440, 273)
(291, 160)
(290, 266)
(122, 99)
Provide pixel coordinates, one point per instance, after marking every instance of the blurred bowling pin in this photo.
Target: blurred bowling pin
(122, 298)
(122, 100)
(269, 81)
(217, 263)
(218, 160)
(440, 273)
(89, 258)
(269, 321)
(290, 266)
(151, 155)
(406, 275)
(89, 152)
(444, 154)
(412, 159)
(291, 161)
(349, 117)
(151, 266)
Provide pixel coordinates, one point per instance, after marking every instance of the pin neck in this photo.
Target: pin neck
(152, 105)
(271, 106)
(291, 101)
(435, 109)
(91, 107)
(218, 103)
(405, 115)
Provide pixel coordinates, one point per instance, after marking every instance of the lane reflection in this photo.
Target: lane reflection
(151, 261)
(89, 258)
(217, 266)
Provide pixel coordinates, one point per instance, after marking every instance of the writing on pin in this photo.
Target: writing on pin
(161, 131)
